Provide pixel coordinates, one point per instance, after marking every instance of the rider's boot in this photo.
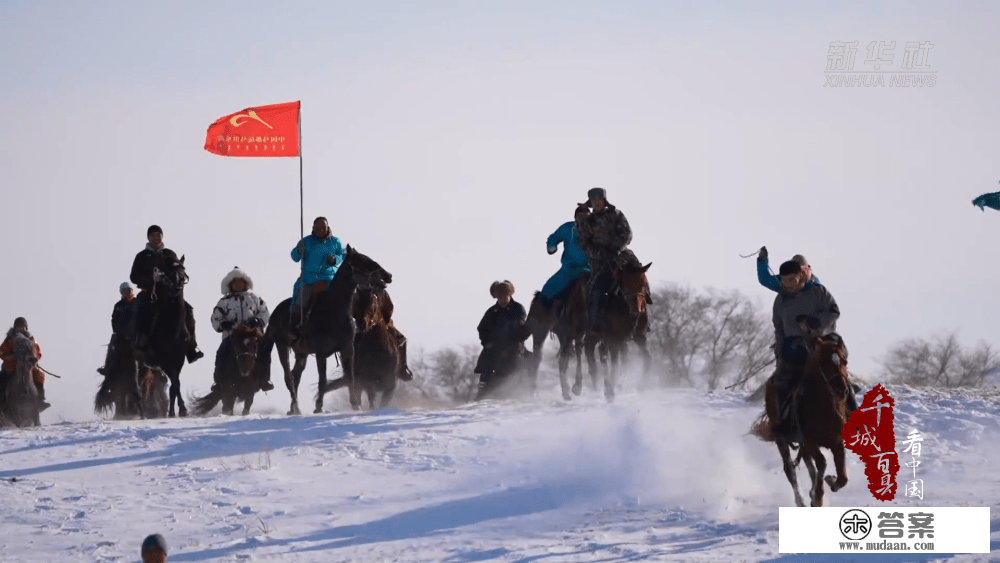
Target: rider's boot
(42, 403)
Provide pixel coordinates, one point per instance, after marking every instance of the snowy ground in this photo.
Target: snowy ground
(671, 476)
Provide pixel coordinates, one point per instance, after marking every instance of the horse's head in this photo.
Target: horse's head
(370, 307)
(245, 339)
(24, 353)
(829, 354)
(169, 272)
(635, 287)
(367, 272)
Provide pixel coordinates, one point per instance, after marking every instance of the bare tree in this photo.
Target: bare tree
(452, 369)
(938, 361)
(678, 324)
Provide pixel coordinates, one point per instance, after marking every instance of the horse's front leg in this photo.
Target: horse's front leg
(816, 494)
(247, 403)
(578, 350)
(565, 349)
(612, 375)
(789, 467)
(838, 463)
(321, 367)
(293, 382)
(589, 343)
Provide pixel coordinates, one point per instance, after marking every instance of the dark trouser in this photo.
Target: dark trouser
(220, 356)
(598, 289)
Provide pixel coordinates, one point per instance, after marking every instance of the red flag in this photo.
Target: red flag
(260, 131)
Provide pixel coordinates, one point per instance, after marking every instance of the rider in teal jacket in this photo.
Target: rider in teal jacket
(574, 261)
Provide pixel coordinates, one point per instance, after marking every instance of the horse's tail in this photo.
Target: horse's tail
(336, 384)
(104, 401)
(203, 405)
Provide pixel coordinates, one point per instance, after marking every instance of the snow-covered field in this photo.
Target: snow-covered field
(669, 476)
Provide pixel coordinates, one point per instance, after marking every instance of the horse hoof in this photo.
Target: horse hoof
(577, 389)
(182, 413)
(610, 397)
(319, 410)
(834, 484)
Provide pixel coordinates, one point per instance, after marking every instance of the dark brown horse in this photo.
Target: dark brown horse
(624, 318)
(126, 393)
(168, 335)
(569, 328)
(819, 408)
(329, 327)
(19, 402)
(376, 353)
(242, 371)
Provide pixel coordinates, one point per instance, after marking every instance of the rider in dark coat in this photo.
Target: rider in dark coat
(142, 276)
(604, 238)
(502, 332)
(122, 325)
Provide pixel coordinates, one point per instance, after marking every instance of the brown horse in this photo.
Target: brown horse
(376, 352)
(242, 371)
(125, 392)
(625, 317)
(19, 403)
(819, 408)
(569, 328)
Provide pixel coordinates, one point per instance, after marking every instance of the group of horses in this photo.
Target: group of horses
(345, 319)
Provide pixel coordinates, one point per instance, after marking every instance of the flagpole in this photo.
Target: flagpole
(302, 229)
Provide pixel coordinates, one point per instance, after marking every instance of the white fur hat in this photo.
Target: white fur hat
(236, 274)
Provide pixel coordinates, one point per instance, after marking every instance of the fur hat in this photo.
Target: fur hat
(154, 549)
(236, 274)
(595, 193)
(790, 267)
(21, 321)
(154, 229)
(496, 288)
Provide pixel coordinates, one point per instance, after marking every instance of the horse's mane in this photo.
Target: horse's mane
(12, 332)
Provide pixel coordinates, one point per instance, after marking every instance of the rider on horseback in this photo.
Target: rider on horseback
(122, 324)
(772, 281)
(323, 255)
(604, 238)
(142, 276)
(574, 261)
(386, 309)
(501, 331)
(9, 366)
(238, 306)
(802, 307)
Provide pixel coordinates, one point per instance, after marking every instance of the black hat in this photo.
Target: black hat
(154, 229)
(790, 267)
(154, 541)
(21, 321)
(597, 192)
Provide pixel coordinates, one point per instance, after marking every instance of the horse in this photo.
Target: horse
(569, 328)
(819, 408)
(168, 334)
(329, 327)
(119, 390)
(242, 370)
(376, 353)
(624, 317)
(19, 406)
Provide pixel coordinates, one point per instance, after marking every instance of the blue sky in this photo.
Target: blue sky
(448, 139)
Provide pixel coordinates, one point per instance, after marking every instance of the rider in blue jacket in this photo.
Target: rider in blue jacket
(574, 261)
(323, 256)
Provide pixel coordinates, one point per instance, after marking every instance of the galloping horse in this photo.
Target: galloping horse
(624, 317)
(121, 389)
(19, 403)
(168, 335)
(376, 353)
(569, 328)
(819, 405)
(243, 368)
(329, 328)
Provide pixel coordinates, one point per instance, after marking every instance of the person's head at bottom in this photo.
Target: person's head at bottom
(154, 549)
